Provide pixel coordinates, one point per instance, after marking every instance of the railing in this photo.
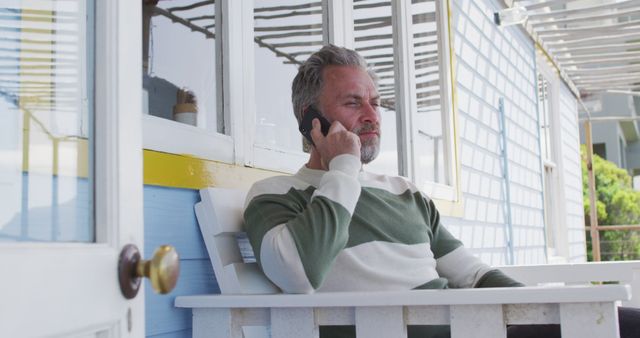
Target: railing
(581, 311)
(630, 252)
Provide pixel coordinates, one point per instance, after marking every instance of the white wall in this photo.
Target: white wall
(495, 62)
(571, 171)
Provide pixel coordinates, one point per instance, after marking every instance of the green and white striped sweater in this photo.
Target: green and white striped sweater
(350, 230)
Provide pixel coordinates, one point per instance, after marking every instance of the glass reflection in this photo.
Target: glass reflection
(46, 112)
(286, 33)
(374, 41)
(179, 62)
(429, 121)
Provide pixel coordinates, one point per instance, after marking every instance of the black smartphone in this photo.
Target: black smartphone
(306, 125)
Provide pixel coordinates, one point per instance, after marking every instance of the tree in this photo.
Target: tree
(616, 204)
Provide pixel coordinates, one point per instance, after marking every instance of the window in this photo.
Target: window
(239, 80)
(46, 121)
(179, 75)
(180, 79)
(544, 108)
(551, 191)
(600, 149)
(374, 41)
(435, 163)
(285, 34)
(406, 43)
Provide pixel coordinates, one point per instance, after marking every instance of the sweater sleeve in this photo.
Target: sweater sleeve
(457, 263)
(296, 240)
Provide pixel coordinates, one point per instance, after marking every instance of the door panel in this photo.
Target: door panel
(82, 201)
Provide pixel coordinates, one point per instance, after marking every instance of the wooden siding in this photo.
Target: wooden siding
(169, 219)
(572, 175)
(493, 63)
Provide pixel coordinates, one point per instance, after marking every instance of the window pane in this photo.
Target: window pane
(373, 40)
(286, 33)
(544, 107)
(179, 62)
(430, 116)
(46, 114)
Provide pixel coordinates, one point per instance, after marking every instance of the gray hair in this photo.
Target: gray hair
(307, 84)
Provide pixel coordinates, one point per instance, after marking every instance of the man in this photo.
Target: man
(335, 227)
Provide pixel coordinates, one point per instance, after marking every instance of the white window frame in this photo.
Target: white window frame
(236, 96)
(559, 251)
(406, 106)
(168, 136)
(337, 29)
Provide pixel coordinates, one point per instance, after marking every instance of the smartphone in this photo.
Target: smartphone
(306, 125)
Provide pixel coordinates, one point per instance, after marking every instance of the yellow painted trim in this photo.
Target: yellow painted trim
(453, 208)
(58, 146)
(184, 171)
(450, 208)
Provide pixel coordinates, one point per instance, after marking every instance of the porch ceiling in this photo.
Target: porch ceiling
(594, 43)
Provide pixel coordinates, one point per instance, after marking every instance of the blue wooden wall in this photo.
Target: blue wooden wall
(169, 219)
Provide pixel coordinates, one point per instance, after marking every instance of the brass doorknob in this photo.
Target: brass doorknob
(162, 270)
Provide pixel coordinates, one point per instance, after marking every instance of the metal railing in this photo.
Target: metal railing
(605, 247)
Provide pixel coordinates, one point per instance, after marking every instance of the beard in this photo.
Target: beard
(370, 148)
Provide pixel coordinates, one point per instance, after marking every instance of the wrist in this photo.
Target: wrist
(346, 163)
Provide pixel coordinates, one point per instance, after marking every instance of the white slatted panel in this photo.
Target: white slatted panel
(380, 322)
(293, 323)
(477, 321)
(222, 322)
(579, 320)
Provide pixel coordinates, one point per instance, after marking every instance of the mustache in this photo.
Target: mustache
(367, 128)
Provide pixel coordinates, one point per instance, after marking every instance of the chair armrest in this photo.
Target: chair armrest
(523, 295)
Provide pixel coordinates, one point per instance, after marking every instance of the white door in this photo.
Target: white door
(70, 166)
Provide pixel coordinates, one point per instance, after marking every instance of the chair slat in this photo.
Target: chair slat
(578, 320)
(478, 321)
(293, 323)
(380, 322)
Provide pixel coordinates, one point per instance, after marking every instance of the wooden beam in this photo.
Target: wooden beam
(603, 70)
(553, 34)
(585, 18)
(582, 10)
(630, 60)
(593, 209)
(607, 47)
(629, 37)
(541, 4)
(562, 58)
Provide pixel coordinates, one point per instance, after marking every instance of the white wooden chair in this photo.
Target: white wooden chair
(248, 299)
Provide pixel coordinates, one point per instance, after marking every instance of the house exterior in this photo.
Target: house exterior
(509, 197)
(473, 113)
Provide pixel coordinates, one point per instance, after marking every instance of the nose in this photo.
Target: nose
(370, 114)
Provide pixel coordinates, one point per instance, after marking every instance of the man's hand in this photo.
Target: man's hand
(337, 142)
